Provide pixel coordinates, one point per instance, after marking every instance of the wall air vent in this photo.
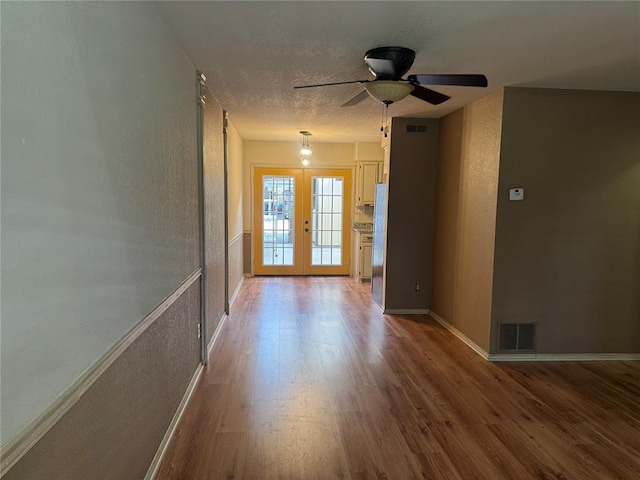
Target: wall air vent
(416, 129)
(517, 336)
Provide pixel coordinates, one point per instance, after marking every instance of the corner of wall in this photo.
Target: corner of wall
(466, 214)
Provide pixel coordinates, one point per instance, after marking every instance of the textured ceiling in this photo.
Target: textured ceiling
(253, 53)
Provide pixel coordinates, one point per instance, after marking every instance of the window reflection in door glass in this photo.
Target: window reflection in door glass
(278, 239)
(326, 221)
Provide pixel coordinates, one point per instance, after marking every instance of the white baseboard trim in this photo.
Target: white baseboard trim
(16, 448)
(235, 293)
(235, 238)
(535, 357)
(215, 335)
(406, 311)
(157, 459)
(162, 449)
(563, 357)
(470, 343)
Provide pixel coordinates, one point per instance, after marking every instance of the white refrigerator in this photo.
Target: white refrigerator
(379, 241)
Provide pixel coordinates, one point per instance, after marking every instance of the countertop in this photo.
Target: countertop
(363, 227)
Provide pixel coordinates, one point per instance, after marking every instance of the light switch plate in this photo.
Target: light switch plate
(516, 194)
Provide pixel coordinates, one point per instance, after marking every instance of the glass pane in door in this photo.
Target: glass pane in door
(278, 240)
(327, 208)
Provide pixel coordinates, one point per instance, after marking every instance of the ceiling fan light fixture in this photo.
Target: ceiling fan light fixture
(388, 91)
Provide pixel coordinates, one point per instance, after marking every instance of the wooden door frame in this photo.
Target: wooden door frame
(258, 225)
(345, 268)
(256, 205)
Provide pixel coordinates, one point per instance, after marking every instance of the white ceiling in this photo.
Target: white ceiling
(253, 53)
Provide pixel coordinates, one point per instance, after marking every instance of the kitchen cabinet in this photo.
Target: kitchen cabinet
(364, 246)
(384, 170)
(368, 174)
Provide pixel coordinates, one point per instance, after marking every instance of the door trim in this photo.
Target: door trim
(257, 206)
(345, 267)
(258, 222)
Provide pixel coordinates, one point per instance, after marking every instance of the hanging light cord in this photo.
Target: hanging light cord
(385, 118)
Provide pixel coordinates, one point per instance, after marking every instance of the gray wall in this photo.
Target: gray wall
(214, 213)
(411, 212)
(113, 431)
(99, 225)
(568, 256)
(246, 253)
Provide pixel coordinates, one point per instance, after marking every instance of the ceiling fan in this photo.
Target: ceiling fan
(388, 65)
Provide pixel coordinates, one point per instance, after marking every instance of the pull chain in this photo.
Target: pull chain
(385, 118)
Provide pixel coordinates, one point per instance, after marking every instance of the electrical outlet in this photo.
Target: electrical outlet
(516, 194)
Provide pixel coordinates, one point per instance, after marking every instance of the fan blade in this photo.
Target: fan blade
(462, 80)
(357, 99)
(335, 83)
(428, 95)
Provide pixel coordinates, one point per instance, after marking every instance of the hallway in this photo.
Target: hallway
(308, 380)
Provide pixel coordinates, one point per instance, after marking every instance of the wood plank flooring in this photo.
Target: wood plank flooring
(309, 380)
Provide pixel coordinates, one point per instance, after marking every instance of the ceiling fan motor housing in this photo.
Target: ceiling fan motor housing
(388, 65)
(396, 62)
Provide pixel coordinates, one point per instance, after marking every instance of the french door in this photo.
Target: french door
(301, 221)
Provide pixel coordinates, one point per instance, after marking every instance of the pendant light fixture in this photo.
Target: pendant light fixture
(305, 149)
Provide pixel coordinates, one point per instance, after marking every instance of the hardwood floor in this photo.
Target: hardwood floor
(308, 380)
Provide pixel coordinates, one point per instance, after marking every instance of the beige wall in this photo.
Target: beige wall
(447, 210)
(568, 255)
(369, 151)
(466, 215)
(234, 182)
